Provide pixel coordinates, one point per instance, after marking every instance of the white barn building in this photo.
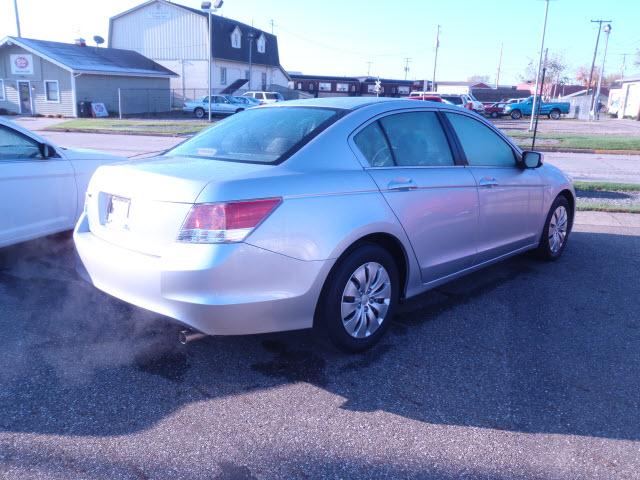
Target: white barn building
(175, 36)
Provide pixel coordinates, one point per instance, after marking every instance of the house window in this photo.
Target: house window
(342, 87)
(52, 90)
(299, 85)
(311, 86)
(324, 86)
(236, 38)
(262, 44)
(403, 90)
(264, 81)
(371, 88)
(223, 75)
(2, 97)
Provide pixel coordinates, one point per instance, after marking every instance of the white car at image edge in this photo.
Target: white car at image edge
(42, 186)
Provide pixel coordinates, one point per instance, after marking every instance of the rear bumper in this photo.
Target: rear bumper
(227, 289)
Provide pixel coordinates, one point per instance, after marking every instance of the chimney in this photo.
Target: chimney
(80, 42)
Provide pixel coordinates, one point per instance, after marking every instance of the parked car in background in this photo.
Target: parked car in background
(248, 102)
(42, 186)
(554, 110)
(427, 98)
(220, 105)
(495, 110)
(265, 97)
(321, 212)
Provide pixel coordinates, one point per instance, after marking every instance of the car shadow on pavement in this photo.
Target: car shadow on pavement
(521, 346)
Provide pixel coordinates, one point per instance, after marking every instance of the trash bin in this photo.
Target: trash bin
(84, 109)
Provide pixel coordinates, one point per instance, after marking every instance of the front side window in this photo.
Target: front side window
(481, 145)
(263, 135)
(52, 90)
(416, 140)
(15, 146)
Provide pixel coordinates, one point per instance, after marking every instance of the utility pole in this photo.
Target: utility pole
(624, 64)
(593, 63)
(271, 21)
(435, 60)
(15, 9)
(499, 65)
(607, 30)
(535, 95)
(406, 67)
(369, 68)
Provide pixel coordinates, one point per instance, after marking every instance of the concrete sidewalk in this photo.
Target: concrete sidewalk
(608, 219)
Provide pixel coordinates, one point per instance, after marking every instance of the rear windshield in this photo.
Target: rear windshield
(258, 135)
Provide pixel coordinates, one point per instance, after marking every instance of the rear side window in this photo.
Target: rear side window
(374, 147)
(481, 145)
(416, 139)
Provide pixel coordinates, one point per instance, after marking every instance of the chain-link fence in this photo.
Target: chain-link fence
(142, 102)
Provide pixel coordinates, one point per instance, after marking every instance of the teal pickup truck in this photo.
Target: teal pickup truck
(552, 109)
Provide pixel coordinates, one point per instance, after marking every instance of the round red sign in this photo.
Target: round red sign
(21, 62)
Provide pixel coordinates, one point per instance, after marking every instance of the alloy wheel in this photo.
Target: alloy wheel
(365, 300)
(558, 229)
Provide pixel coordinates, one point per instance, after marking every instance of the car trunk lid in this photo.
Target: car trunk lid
(141, 205)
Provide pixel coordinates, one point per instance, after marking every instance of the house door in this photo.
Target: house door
(24, 92)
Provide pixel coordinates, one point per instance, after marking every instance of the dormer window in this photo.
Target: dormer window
(236, 38)
(262, 43)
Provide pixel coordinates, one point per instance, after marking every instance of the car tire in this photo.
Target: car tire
(494, 114)
(516, 114)
(557, 228)
(347, 313)
(199, 112)
(240, 110)
(554, 114)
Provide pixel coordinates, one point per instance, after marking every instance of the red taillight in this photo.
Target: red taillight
(225, 222)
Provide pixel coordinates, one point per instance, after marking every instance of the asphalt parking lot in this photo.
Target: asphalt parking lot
(525, 370)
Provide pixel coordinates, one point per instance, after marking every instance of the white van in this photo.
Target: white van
(265, 97)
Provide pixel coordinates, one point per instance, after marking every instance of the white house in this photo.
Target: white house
(625, 101)
(175, 36)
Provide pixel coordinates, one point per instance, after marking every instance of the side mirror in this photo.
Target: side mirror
(531, 159)
(45, 150)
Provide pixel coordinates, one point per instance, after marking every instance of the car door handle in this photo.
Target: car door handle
(402, 184)
(488, 182)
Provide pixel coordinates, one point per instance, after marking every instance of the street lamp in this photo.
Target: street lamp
(207, 7)
(607, 30)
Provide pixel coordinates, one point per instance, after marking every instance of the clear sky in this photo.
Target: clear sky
(339, 37)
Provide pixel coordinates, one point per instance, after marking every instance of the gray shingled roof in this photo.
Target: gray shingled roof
(106, 61)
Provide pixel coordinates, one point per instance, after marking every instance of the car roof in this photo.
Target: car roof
(356, 103)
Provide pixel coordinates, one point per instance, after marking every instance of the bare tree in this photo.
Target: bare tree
(583, 73)
(556, 67)
(478, 78)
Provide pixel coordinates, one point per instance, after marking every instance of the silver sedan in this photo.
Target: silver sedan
(318, 213)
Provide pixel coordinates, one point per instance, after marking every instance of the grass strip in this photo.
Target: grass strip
(606, 187)
(139, 127)
(567, 140)
(605, 207)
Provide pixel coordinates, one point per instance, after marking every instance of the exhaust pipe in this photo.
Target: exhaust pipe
(188, 336)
